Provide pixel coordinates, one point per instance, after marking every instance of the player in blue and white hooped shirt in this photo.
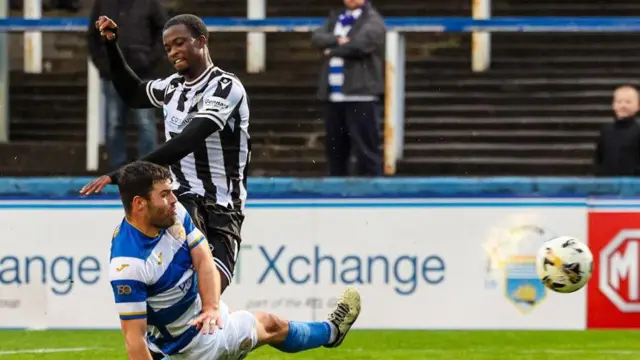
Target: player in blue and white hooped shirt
(167, 289)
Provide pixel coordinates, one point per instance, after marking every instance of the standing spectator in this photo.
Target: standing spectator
(141, 23)
(618, 147)
(352, 82)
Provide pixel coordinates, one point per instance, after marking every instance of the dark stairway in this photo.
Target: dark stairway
(286, 125)
(535, 112)
(538, 109)
(48, 111)
(292, 137)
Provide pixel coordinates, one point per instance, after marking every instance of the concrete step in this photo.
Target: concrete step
(447, 150)
(515, 123)
(474, 166)
(501, 136)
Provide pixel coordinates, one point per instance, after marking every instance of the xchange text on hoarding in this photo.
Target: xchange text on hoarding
(62, 272)
(404, 272)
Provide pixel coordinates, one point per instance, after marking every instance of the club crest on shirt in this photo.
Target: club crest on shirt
(178, 232)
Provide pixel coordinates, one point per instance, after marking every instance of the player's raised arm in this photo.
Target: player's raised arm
(130, 294)
(133, 91)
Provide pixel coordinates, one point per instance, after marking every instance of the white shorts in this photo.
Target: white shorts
(234, 341)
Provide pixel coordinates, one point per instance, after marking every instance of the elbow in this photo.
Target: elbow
(323, 41)
(203, 262)
(315, 42)
(205, 265)
(205, 271)
(134, 342)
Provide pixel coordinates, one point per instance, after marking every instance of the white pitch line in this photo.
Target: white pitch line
(44, 351)
(578, 352)
(614, 352)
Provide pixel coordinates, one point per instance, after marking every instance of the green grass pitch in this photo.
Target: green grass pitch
(360, 345)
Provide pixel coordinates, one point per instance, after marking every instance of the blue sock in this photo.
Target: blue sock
(305, 336)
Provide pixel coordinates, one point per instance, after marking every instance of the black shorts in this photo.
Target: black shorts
(221, 226)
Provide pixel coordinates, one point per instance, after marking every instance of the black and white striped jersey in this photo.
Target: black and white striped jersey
(217, 168)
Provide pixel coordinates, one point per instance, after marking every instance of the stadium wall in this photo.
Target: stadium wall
(438, 253)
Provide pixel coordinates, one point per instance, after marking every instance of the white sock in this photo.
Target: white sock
(334, 332)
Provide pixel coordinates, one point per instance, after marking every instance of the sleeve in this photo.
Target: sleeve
(367, 41)
(221, 100)
(323, 37)
(194, 235)
(136, 93)
(129, 287)
(182, 144)
(156, 89)
(178, 146)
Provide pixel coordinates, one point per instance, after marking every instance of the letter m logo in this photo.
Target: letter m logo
(619, 271)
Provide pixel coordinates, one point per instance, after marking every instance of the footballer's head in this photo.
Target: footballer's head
(185, 40)
(145, 190)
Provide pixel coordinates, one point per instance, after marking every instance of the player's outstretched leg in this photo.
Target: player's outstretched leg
(293, 336)
(344, 315)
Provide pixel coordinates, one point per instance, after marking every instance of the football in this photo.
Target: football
(564, 264)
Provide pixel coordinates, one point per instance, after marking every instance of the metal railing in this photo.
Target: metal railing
(395, 56)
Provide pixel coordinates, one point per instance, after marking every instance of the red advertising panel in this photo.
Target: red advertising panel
(614, 290)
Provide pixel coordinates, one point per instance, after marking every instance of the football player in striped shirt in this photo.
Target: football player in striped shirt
(167, 292)
(206, 118)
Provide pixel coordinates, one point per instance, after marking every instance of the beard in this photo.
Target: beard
(161, 219)
(162, 224)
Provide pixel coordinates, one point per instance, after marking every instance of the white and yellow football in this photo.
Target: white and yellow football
(564, 264)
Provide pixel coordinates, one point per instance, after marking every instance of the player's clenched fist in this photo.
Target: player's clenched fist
(107, 27)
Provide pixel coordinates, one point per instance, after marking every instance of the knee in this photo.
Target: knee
(273, 326)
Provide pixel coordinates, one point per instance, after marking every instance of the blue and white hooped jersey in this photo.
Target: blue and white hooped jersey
(154, 278)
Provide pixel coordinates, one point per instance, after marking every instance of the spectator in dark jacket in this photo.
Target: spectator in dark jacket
(618, 147)
(140, 39)
(352, 82)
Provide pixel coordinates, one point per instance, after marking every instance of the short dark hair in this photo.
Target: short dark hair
(137, 179)
(195, 25)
